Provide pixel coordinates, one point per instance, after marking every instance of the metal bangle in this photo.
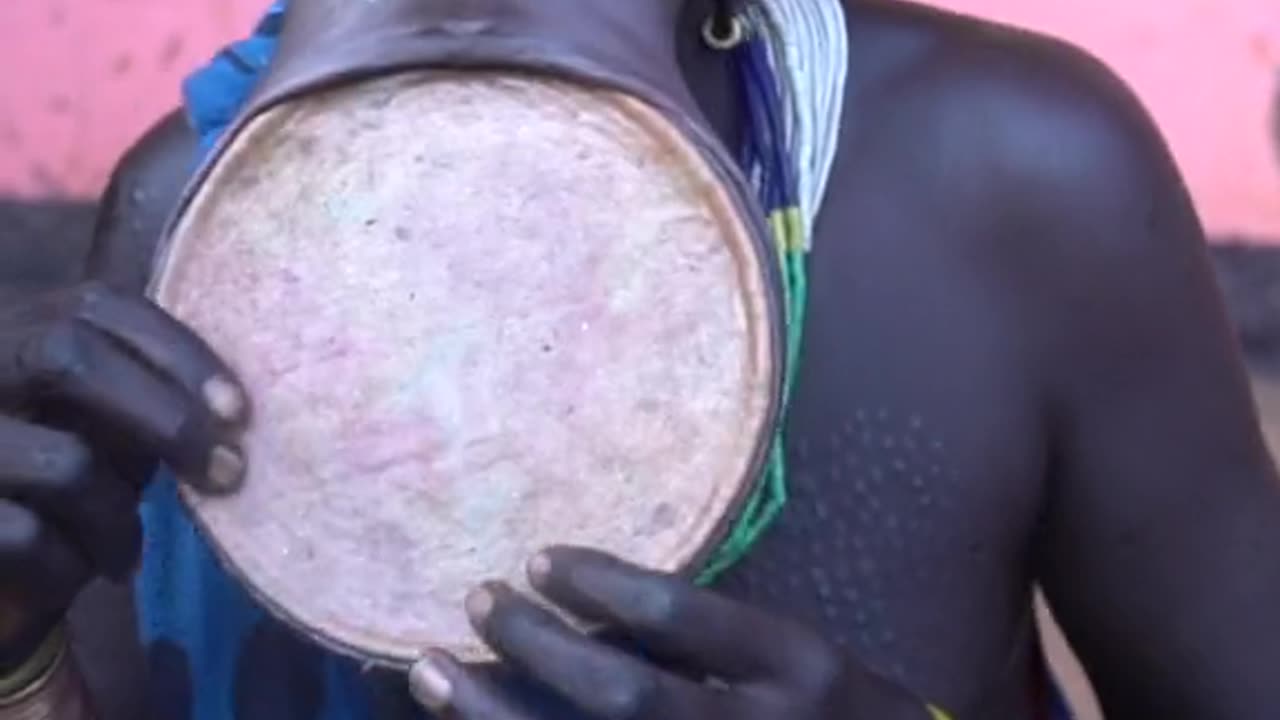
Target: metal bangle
(36, 672)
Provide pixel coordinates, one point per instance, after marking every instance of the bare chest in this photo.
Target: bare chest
(916, 461)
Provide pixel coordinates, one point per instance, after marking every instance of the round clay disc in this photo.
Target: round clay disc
(478, 314)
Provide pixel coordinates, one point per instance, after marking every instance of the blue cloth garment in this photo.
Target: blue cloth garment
(214, 94)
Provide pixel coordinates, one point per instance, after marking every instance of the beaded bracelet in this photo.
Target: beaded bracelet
(937, 713)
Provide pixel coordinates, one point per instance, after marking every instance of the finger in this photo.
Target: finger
(167, 345)
(77, 364)
(670, 617)
(447, 689)
(40, 574)
(56, 475)
(598, 679)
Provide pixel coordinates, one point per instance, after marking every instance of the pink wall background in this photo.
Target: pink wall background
(80, 78)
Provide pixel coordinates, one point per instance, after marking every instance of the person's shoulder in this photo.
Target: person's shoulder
(142, 192)
(1038, 106)
(1042, 132)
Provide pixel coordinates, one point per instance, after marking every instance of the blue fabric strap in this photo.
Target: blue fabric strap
(214, 95)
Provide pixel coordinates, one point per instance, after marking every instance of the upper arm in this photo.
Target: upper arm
(143, 191)
(43, 243)
(1161, 545)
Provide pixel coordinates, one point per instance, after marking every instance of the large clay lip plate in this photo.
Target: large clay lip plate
(261, 137)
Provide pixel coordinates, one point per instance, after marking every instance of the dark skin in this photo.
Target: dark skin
(1018, 372)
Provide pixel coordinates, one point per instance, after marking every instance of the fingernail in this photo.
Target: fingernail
(226, 470)
(479, 605)
(429, 686)
(224, 398)
(539, 569)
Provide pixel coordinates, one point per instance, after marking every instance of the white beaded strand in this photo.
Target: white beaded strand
(809, 49)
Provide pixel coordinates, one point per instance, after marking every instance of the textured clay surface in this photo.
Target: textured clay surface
(478, 314)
